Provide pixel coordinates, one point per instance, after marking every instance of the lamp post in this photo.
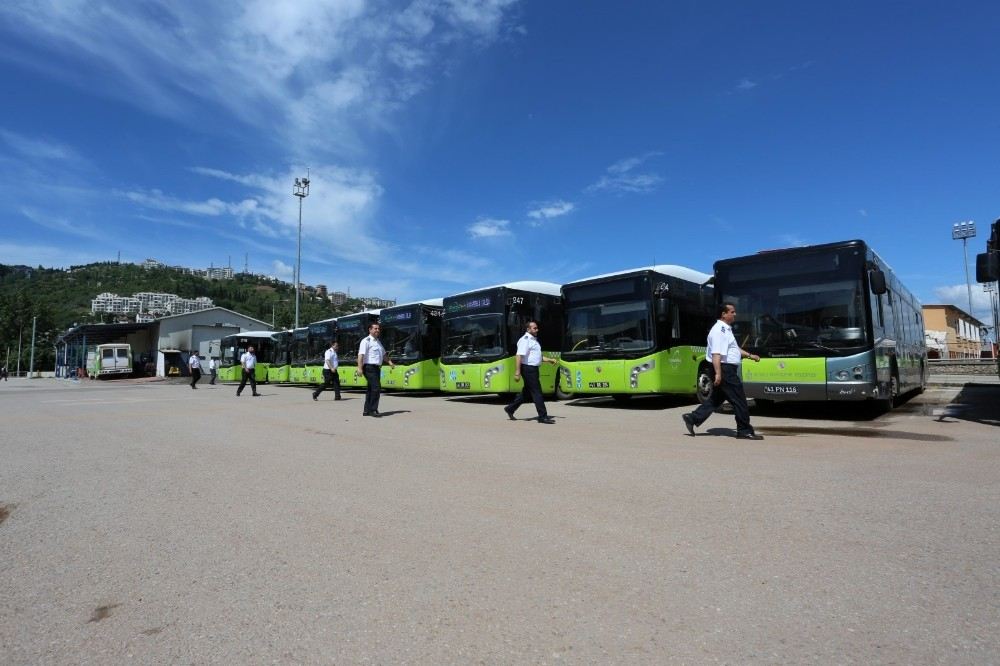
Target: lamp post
(965, 231)
(302, 191)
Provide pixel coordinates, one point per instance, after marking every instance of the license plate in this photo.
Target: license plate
(462, 385)
(599, 385)
(781, 390)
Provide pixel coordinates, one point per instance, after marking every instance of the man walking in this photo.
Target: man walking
(725, 356)
(330, 377)
(249, 363)
(213, 367)
(194, 363)
(527, 362)
(371, 356)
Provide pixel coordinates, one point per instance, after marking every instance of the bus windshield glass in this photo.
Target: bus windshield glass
(608, 328)
(401, 335)
(809, 304)
(473, 338)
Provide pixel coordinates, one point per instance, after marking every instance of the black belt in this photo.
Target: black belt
(372, 365)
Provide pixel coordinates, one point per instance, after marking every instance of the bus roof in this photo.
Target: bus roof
(537, 287)
(762, 255)
(433, 302)
(680, 272)
(358, 314)
(251, 334)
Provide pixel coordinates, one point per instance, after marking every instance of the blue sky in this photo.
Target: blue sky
(456, 143)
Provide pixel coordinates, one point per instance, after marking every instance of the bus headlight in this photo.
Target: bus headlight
(859, 371)
(842, 375)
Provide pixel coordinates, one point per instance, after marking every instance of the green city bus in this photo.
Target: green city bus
(830, 322)
(232, 347)
(411, 335)
(318, 341)
(298, 354)
(351, 330)
(281, 365)
(637, 331)
(480, 330)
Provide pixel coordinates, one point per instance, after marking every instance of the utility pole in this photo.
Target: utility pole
(31, 363)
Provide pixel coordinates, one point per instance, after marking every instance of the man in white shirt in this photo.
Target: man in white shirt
(248, 361)
(330, 377)
(725, 356)
(371, 356)
(194, 363)
(527, 363)
(213, 367)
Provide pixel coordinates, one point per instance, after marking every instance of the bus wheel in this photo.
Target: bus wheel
(705, 385)
(560, 394)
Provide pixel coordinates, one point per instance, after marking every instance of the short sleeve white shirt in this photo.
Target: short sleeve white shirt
(248, 360)
(212, 365)
(330, 360)
(529, 350)
(194, 362)
(722, 341)
(372, 351)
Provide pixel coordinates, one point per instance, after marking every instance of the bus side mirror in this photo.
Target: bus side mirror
(877, 280)
(662, 308)
(988, 267)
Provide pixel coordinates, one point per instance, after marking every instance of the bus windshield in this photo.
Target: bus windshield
(474, 337)
(608, 328)
(402, 342)
(807, 305)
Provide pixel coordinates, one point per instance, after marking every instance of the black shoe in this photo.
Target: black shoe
(749, 435)
(546, 419)
(510, 414)
(375, 413)
(314, 396)
(256, 395)
(337, 398)
(366, 413)
(688, 423)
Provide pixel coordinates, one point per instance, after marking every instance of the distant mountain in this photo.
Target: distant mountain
(60, 298)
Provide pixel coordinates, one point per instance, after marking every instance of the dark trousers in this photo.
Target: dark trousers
(532, 391)
(330, 378)
(195, 376)
(251, 376)
(730, 389)
(373, 376)
(214, 373)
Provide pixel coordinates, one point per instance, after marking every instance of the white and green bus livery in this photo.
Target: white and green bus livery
(830, 322)
(232, 348)
(411, 335)
(480, 331)
(351, 330)
(640, 331)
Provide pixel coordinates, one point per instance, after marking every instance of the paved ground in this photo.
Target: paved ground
(146, 522)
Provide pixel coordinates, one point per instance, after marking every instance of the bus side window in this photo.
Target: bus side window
(675, 322)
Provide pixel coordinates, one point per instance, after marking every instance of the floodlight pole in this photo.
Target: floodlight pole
(301, 191)
(965, 231)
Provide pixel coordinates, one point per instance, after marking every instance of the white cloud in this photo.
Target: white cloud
(621, 176)
(39, 148)
(315, 75)
(59, 224)
(551, 209)
(489, 228)
(282, 270)
(958, 295)
(862, 212)
(745, 84)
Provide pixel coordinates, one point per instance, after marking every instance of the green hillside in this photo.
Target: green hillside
(60, 298)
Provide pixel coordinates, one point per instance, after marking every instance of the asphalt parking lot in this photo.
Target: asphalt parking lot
(142, 521)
